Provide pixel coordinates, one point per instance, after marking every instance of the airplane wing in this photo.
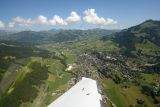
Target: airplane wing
(83, 94)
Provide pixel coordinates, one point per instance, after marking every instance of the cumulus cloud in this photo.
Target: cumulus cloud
(74, 17)
(11, 24)
(2, 25)
(57, 20)
(21, 22)
(92, 17)
(43, 20)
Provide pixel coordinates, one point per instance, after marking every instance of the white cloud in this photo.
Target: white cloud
(43, 20)
(21, 22)
(74, 17)
(52, 22)
(92, 17)
(57, 20)
(11, 24)
(2, 25)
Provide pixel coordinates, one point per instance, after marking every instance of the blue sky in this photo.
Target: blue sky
(109, 14)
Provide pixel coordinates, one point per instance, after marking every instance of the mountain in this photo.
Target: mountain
(35, 75)
(27, 36)
(4, 33)
(55, 35)
(142, 37)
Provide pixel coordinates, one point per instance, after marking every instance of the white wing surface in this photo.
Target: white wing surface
(83, 94)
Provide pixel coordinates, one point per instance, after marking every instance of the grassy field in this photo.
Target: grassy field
(81, 46)
(148, 48)
(94, 45)
(42, 80)
(150, 78)
(36, 82)
(124, 97)
(70, 57)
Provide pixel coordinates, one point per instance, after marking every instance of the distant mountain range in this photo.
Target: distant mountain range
(143, 37)
(54, 35)
(5, 32)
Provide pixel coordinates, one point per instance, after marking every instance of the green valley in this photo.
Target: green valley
(126, 65)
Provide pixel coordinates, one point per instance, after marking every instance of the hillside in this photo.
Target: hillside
(33, 65)
(4, 33)
(144, 38)
(34, 37)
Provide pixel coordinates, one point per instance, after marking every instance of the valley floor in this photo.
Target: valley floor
(37, 81)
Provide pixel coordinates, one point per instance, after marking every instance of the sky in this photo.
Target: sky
(76, 14)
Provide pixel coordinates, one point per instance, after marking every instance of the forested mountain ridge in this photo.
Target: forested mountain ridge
(141, 37)
(55, 35)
